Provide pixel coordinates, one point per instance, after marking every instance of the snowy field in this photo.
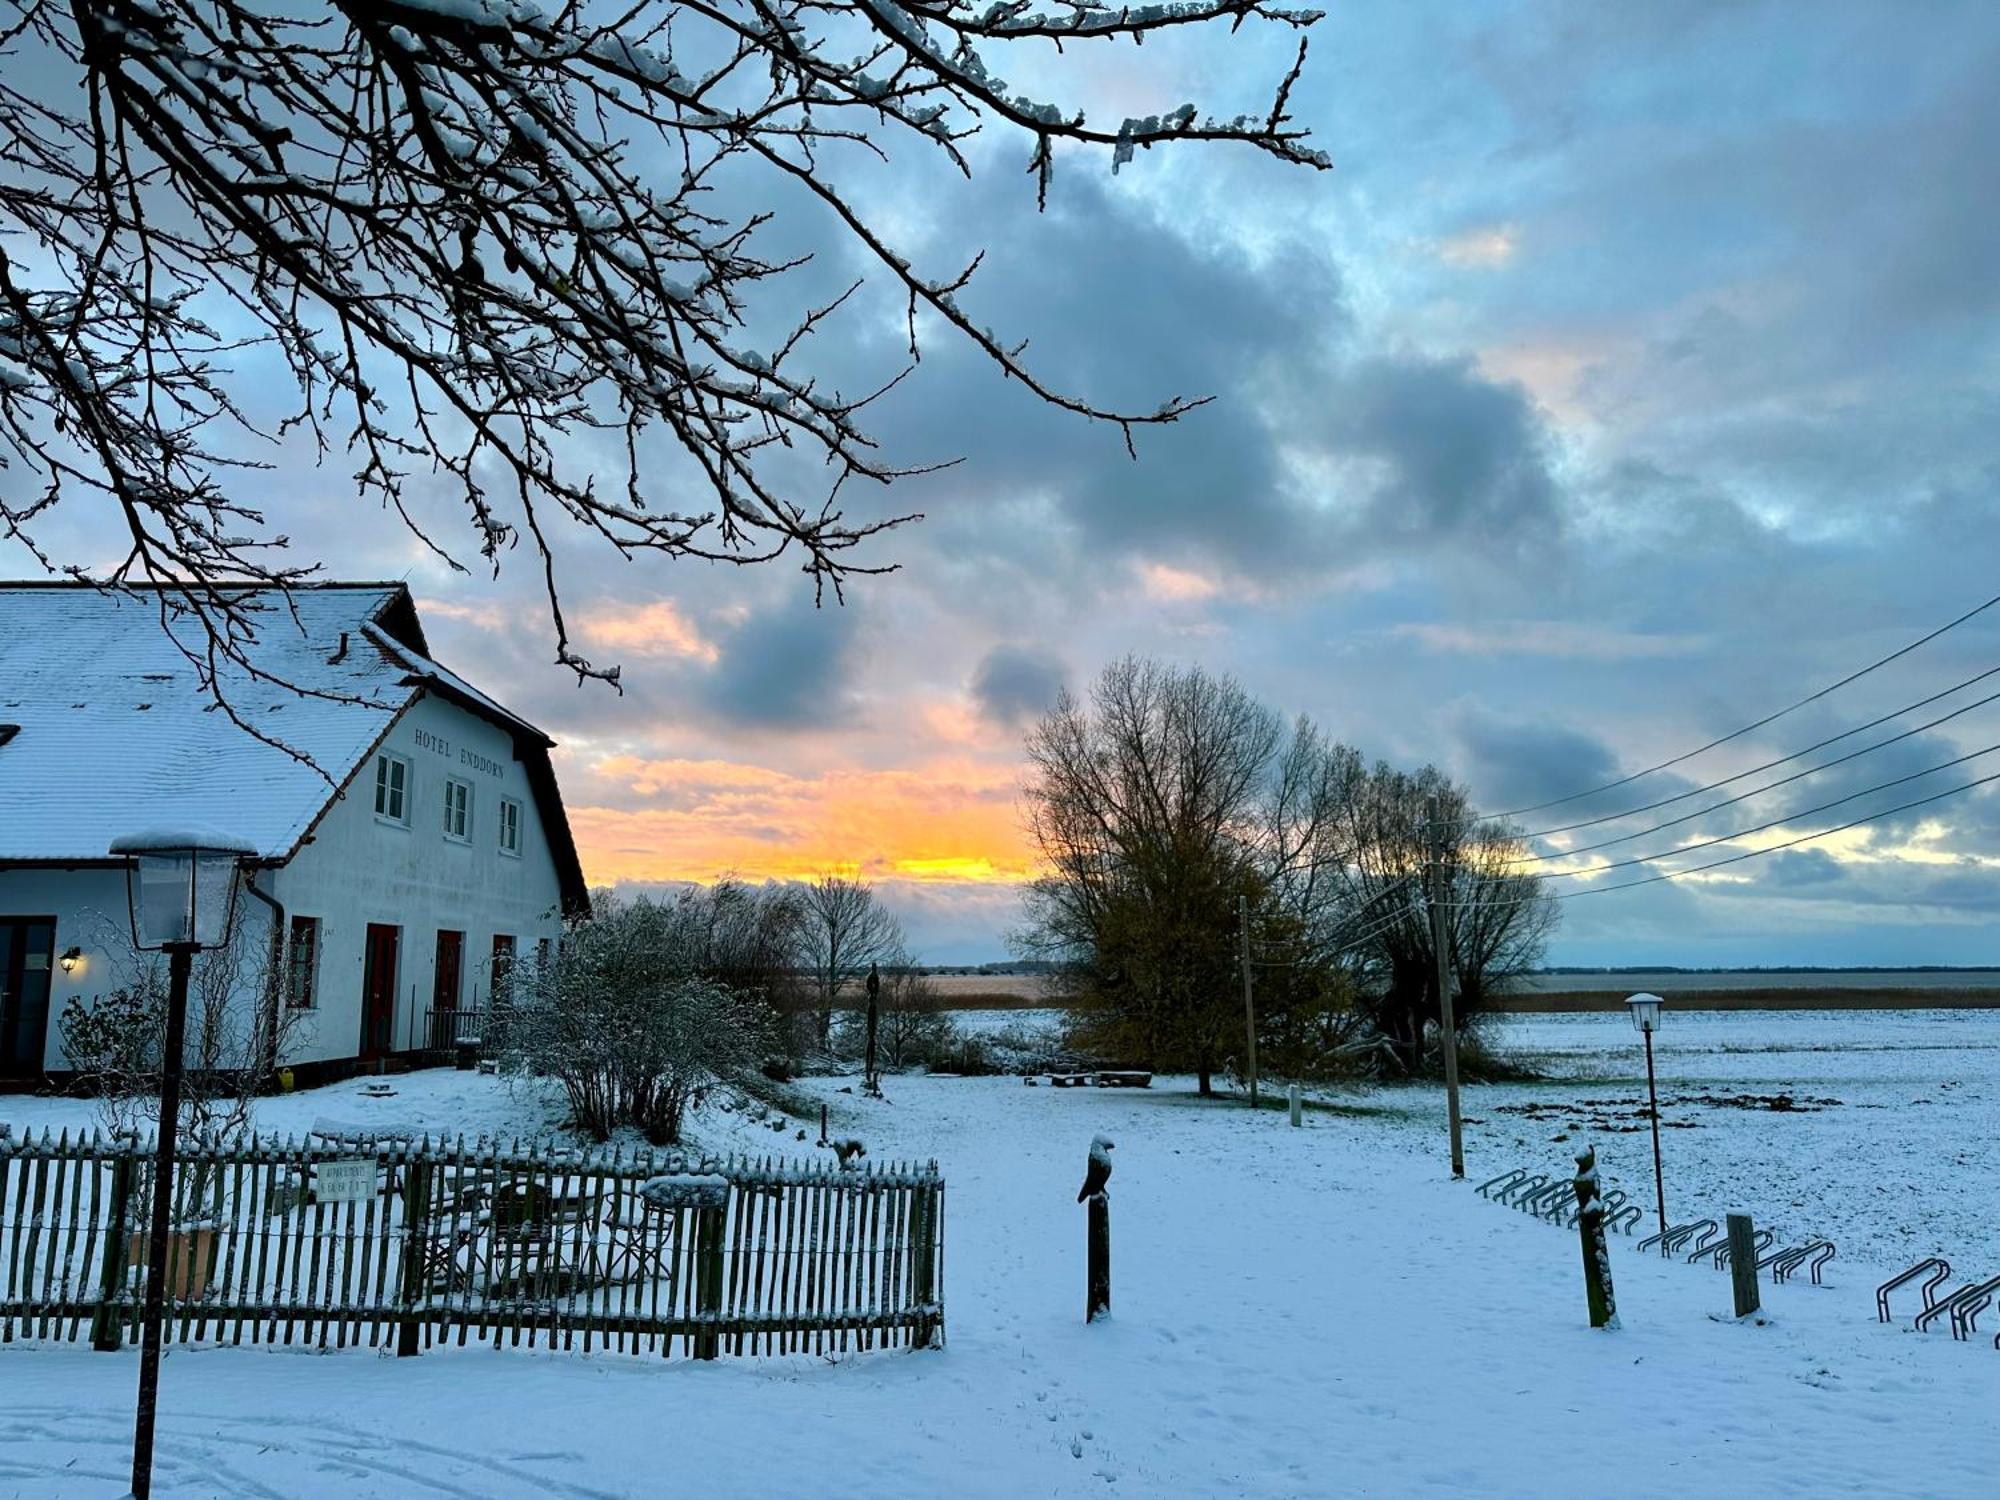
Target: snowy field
(1315, 1312)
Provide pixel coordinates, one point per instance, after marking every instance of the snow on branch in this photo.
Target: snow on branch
(493, 245)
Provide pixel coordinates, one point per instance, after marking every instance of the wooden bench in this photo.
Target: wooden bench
(1124, 1078)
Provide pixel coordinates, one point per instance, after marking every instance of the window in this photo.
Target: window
(458, 810)
(510, 826)
(302, 964)
(392, 788)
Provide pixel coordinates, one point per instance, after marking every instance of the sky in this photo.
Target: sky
(1631, 373)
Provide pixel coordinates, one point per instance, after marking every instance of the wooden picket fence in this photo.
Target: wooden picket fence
(420, 1242)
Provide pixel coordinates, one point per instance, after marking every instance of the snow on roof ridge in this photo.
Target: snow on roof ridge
(425, 666)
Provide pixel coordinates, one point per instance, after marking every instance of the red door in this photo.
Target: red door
(378, 990)
(444, 988)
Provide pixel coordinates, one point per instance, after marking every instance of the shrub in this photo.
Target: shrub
(634, 1036)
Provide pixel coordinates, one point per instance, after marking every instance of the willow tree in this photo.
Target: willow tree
(1499, 913)
(512, 256)
(1167, 807)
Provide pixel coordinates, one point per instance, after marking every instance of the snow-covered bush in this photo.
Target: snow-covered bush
(913, 1029)
(624, 1019)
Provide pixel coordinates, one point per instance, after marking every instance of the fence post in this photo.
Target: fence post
(1099, 1303)
(416, 1234)
(106, 1334)
(1596, 1255)
(923, 1280)
(708, 1236)
(1297, 1106)
(1743, 1263)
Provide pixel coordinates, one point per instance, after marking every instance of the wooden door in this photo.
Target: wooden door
(27, 949)
(378, 990)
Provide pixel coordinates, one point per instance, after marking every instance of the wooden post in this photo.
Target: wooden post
(708, 1235)
(923, 1280)
(1297, 1105)
(1743, 1263)
(1596, 1254)
(106, 1327)
(416, 1235)
(1098, 1303)
(1249, 1004)
(870, 1083)
(1447, 1021)
(822, 1124)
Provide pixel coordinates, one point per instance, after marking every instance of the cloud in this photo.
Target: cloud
(1170, 585)
(1515, 762)
(787, 667)
(1436, 451)
(939, 822)
(1559, 638)
(647, 630)
(1017, 684)
(1485, 248)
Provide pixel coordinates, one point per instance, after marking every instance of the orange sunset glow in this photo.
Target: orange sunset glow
(945, 822)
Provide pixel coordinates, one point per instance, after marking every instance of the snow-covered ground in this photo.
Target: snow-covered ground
(1313, 1312)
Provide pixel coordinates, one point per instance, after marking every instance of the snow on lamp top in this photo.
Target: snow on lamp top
(1645, 1011)
(181, 883)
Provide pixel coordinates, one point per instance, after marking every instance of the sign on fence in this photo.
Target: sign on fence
(346, 1181)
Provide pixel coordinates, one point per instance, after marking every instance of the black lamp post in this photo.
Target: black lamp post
(872, 1084)
(180, 884)
(1645, 1010)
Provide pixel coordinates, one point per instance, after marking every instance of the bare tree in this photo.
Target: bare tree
(239, 1029)
(1172, 807)
(1499, 916)
(846, 929)
(472, 234)
(1165, 807)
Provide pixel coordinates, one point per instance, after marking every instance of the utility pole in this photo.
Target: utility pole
(1249, 1005)
(1447, 1023)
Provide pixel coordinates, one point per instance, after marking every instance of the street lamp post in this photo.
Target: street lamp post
(1645, 1012)
(180, 885)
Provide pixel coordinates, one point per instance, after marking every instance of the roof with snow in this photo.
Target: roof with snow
(107, 721)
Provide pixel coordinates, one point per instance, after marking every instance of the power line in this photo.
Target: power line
(1841, 760)
(1716, 864)
(1736, 734)
(1832, 739)
(1727, 838)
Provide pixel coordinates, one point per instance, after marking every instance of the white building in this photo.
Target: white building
(408, 829)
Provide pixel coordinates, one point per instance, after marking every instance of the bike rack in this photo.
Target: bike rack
(1668, 1237)
(1543, 1198)
(1970, 1304)
(1813, 1254)
(1759, 1243)
(1940, 1273)
(1943, 1307)
(1712, 1234)
(1506, 1179)
(1554, 1200)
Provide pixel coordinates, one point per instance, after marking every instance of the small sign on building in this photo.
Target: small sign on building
(353, 1181)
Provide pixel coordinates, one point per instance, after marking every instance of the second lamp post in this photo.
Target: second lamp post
(1645, 1010)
